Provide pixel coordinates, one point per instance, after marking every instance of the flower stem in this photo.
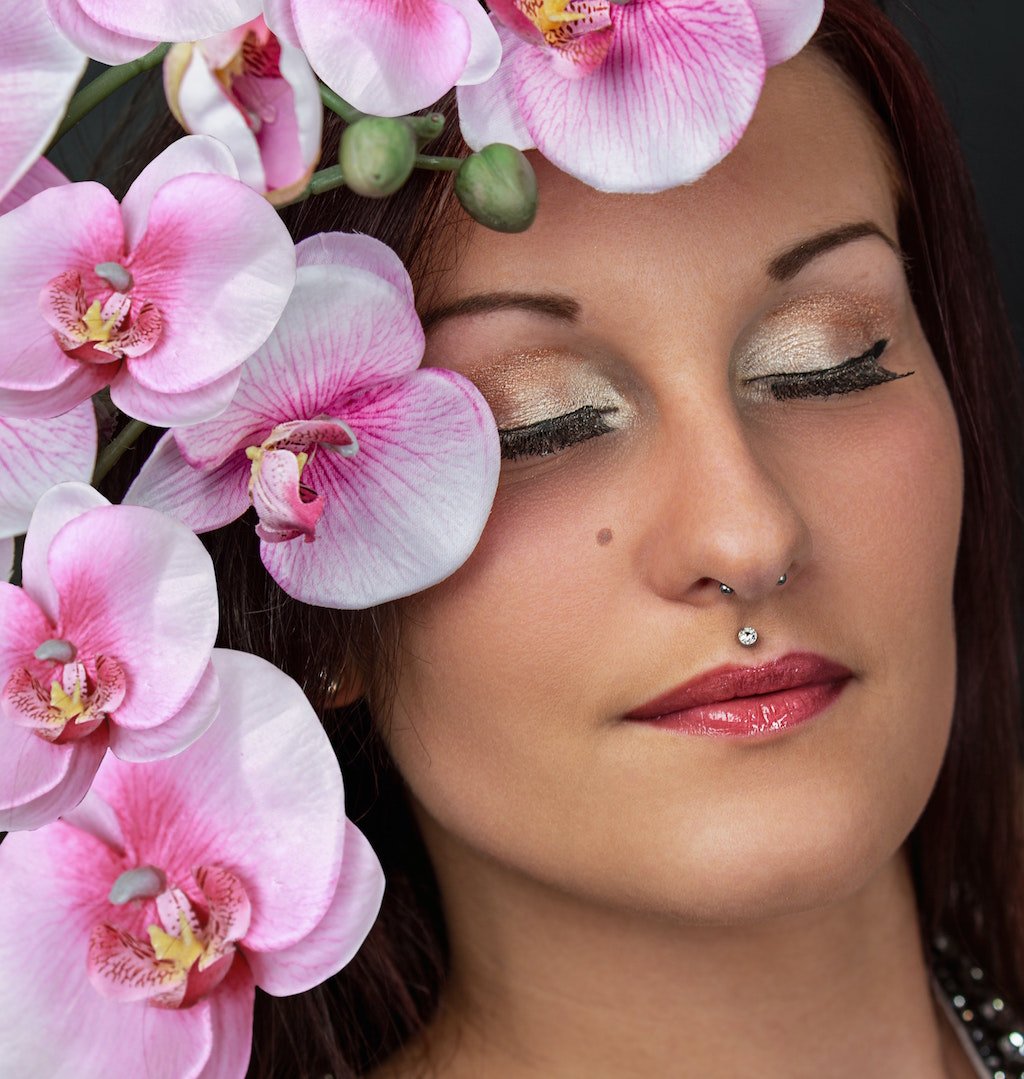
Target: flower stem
(325, 180)
(340, 107)
(104, 85)
(438, 164)
(424, 127)
(116, 448)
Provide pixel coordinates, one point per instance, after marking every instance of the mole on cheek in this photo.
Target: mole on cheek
(604, 537)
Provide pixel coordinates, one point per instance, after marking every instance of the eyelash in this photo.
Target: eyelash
(547, 437)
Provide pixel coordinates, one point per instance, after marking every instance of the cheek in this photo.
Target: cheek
(506, 729)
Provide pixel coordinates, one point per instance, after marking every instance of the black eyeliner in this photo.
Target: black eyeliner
(546, 437)
(857, 373)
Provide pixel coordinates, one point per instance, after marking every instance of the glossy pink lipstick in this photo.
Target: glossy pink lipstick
(746, 701)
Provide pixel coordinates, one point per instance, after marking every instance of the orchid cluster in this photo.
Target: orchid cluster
(179, 835)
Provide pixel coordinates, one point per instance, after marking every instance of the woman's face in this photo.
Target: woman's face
(595, 585)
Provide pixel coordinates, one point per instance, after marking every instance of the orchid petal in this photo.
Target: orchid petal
(231, 1018)
(57, 400)
(217, 311)
(337, 936)
(42, 176)
(99, 42)
(278, 16)
(202, 106)
(65, 228)
(39, 780)
(420, 488)
(26, 471)
(39, 70)
(484, 48)
(176, 733)
(309, 109)
(385, 59)
(193, 153)
(357, 252)
(690, 71)
(173, 409)
(267, 723)
(489, 111)
(184, 20)
(55, 508)
(204, 500)
(786, 26)
(66, 873)
(152, 605)
(284, 507)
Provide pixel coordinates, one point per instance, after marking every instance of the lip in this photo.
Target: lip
(746, 701)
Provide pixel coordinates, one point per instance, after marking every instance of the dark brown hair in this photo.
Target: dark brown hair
(966, 849)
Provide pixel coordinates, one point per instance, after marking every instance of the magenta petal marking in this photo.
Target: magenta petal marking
(286, 507)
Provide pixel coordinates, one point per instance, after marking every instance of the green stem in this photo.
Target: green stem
(348, 113)
(325, 180)
(116, 448)
(438, 164)
(104, 85)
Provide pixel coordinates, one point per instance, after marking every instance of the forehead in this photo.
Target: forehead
(812, 159)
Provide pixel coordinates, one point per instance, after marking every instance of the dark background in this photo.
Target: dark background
(973, 49)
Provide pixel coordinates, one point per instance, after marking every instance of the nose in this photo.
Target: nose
(721, 511)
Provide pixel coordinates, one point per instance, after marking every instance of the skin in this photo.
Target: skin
(624, 900)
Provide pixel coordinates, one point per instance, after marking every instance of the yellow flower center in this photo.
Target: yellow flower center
(182, 951)
(97, 328)
(550, 15)
(70, 706)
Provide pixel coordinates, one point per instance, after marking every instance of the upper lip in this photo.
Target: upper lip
(729, 681)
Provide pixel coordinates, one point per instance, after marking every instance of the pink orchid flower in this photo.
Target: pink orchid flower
(631, 95)
(107, 643)
(162, 297)
(114, 31)
(390, 57)
(35, 455)
(257, 95)
(371, 477)
(39, 71)
(151, 912)
(40, 176)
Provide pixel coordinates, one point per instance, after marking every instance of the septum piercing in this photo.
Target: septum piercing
(748, 635)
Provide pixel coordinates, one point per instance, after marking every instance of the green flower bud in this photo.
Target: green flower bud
(377, 155)
(498, 188)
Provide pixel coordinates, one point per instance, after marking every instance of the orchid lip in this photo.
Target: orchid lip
(727, 682)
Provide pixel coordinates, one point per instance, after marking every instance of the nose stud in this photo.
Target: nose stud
(729, 591)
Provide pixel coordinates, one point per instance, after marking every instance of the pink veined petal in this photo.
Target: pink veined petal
(203, 500)
(25, 627)
(138, 586)
(386, 57)
(358, 252)
(184, 20)
(489, 111)
(278, 16)
(407, 510)
(231, 1016)
(39, 70)
(46, 404)
(177, 733)
(54, 509)
(690, 71)
(339, 934)
(36, 454)
(39, 781)
(286, 507)
(67, 227)
(53, 891)
(786, 26)
(217, 311)
(509, 14)
(193, 153)
(40, 177)
(173, 409)
(95, 40)
(123, 970)
(6, 559)
(204, 108)
(269, 740)
(484, 48)
(230, 911)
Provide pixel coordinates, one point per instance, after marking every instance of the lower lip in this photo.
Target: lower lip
(746, 717)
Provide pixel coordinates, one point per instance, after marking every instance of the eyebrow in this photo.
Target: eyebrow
(565, 309)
